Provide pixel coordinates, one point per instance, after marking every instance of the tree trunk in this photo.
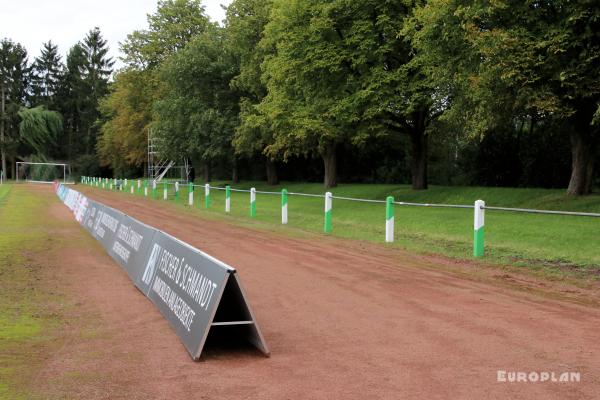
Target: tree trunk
(418, 167)
(235, 178)
(271, 166)
(3, 153)
(207, 173)
(330, 162)
(582, 162)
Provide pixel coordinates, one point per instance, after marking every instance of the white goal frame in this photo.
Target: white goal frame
(65, 168)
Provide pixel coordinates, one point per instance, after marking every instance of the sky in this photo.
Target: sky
(65, 22)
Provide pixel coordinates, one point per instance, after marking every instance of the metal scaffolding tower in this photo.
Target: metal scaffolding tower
(158, 167)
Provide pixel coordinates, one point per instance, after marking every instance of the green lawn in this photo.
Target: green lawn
(26, 320)
(4, 189)
(547, 242)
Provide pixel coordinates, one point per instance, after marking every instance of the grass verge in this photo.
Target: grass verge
(28, 313)
(550, 245)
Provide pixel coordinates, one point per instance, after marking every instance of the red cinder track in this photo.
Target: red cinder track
(343, 319)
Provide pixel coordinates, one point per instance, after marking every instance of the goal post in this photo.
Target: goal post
(42, 172)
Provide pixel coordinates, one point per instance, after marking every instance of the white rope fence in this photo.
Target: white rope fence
(478, 207)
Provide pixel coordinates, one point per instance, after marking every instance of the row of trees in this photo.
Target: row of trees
(288, 79)
(49, 109)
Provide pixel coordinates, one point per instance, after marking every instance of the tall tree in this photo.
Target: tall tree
(47, 72)
(173, 25)
(126, 112)
(197, 115)
(127, 109)
(39, 129)
(96, 72)
(536, 58)
(244, 26)
(342, 73)
(13, 90)
(73, 100)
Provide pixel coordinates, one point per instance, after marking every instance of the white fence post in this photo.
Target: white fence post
(479, 231)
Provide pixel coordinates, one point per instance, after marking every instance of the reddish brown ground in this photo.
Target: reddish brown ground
(343, 320)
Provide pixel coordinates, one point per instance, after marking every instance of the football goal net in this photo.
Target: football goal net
(40, 172)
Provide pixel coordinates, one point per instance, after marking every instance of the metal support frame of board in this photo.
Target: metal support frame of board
(199, 295)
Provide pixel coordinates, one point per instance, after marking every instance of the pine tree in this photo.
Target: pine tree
(71, 98)
(97, 69)
(13, 85)
(46, 75)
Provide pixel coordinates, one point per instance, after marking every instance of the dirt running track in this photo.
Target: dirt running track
(344, 320)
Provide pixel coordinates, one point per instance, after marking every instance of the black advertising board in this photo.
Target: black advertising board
(130, 245)
(195, 292)
(106, 223)
(90, 216)
(186, 286)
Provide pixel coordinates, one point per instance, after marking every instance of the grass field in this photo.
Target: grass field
(26, 317)
(548, 243)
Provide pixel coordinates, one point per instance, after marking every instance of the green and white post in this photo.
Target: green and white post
(146, 188)
(227, 198)
(207, 195)
(252, 202)
(165, 192)
(131, 189)
(328, 226)
(139, 186)
(478, 248)
(284, 208)
(191, 194)
(177, 191)
(154, 190)
(389, 219)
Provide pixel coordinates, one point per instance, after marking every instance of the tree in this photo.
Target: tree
(173, 25)
(73, 100)
(39, 129)
(244, 27)
(46, 76)
(341, 73)
(96, 71)
(126, 112)
(13, 91)
(539, 59)
(198, 113)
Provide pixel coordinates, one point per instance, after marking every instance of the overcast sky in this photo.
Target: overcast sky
(65, 22)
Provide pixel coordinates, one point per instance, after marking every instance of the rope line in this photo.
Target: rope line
(401, 203)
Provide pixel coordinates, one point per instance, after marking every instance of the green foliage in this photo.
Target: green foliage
(47, 71)
(505, 62)
(173, 25)
(83, 83)
(126, 112)
(291, 79)
(197, 114)
(13, 90)
(244, 27)
(340, 73)
(39, 128)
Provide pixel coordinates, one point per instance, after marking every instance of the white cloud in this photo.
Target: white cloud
(65, 22)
